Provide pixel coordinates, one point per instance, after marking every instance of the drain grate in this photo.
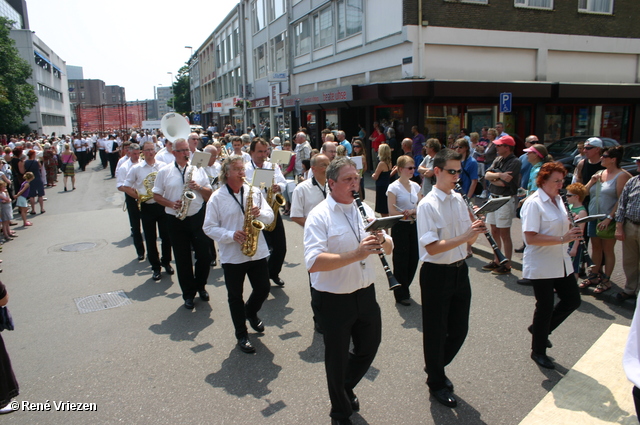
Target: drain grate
(102, 301)
(81, 246)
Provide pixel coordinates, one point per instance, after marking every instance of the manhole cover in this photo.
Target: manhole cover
(81, 246)
(102, 301)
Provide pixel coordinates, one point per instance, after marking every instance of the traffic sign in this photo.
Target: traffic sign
(505, 102)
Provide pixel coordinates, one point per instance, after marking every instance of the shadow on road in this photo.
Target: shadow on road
(463, 414)
(185, 325)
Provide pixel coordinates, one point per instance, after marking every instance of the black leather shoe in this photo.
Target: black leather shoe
(353, 399)
(525, 282)
(317, 328)
(278, 281)
(448, 383)
(156, 275)
(520, 250)
(141, 257)
(542, 360)
(188, 304)
(256, 324)
(204, 295)
(168, 269)
(214, 263)
(444, 397)
(405, 302)
(530, 329)
(245, 345)
(335, 421)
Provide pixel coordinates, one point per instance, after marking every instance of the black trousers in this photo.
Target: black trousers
(546, 317)
(277, 242)
(134, 221)
(103, 158)
(636, 399)
(82, 159)
(446, 298)
(184, 235)
(113, 162)
(234, 275)
(153, 216)
(343, 318)
(405, 256)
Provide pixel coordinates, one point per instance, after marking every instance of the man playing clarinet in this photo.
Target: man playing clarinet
(337, 253)
(444, 229)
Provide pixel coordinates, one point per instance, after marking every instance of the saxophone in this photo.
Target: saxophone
(187, 195)
(148, 183)
(251, 227)
(275, 202)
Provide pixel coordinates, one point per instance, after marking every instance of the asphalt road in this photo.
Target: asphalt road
(154, 362)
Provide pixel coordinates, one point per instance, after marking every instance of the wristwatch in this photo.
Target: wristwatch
(609, 217)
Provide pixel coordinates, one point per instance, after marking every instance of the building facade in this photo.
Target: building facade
(114, 95)
(163, 95)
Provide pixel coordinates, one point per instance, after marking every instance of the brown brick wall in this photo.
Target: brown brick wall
(501, 14)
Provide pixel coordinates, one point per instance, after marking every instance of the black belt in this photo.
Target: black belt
(456, 264)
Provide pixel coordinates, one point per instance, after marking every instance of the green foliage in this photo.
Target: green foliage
(17, 97)
(181, 92)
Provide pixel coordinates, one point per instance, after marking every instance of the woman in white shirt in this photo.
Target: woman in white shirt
(546, 229)
(402, 198)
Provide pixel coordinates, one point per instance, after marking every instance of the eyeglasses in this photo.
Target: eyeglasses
(588, 148)
(452, 171)
(181, 150)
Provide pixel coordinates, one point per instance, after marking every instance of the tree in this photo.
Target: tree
(17, 96)
(181, 100)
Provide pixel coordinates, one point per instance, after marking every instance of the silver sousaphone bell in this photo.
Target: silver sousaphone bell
(174, 127)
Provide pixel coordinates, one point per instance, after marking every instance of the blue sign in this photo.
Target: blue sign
(196, 117)
(505, 102)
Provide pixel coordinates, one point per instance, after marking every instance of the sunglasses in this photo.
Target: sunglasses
(605, 156)
(451, 171)
(457, 147)
(410, 168)
(569, 195)
(588, 148)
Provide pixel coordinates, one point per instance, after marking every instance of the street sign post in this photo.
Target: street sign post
(505, 102)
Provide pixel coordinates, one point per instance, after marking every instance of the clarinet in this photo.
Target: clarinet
(393, 282)
(501, 258)
(583, 246)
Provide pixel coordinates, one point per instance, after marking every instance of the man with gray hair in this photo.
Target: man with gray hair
(339, 255)
(302, 151)
(342, 139)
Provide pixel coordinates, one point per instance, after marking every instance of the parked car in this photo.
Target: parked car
(566, 149)
(628, 164)
(196, 129)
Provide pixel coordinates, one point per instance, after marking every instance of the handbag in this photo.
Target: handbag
(6, 321)
(610, 231)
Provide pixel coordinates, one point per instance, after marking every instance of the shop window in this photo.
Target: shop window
(596, 6)
(331, 119)
(537, 4)
(322, 28)
(442, 120)
(558, 123)
(615, 122)
(349, 18)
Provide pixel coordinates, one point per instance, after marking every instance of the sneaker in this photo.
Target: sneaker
(490, 266)
(502, 270)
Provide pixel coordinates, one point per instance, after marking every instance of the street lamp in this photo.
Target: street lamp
(191, 51)
(173, 99)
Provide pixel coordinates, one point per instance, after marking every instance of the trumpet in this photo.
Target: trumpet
(393, 282)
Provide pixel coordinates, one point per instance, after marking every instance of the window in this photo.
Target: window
(596, 6)
(52, 119)
(349, 18)
(228, 47)
(113, 99)
(50, 93)
(276, 9)
(72, 96)
(260, 61)
(258, 15)
(278, 53)
(218, 59)
(473, 1)
(302, 37)
(322, 28)
(540, 4)
(82, 95)
(236, 41)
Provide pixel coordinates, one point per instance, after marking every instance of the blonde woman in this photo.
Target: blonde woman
(382, 176)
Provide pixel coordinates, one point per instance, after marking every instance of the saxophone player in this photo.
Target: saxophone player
(151, 213)
(276, 239)
(225, 220)
(172, 182)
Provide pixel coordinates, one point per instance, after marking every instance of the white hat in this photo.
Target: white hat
(276, 141)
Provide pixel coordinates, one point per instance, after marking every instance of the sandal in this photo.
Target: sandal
(603, 286)
(592, 279)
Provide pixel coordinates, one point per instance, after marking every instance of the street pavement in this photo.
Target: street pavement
(154, 362)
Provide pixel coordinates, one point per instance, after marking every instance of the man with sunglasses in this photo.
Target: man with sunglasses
(503, 177)
(444, 229)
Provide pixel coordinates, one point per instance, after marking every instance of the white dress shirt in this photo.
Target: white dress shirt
(212, 173)
(165, 156)
(279, 179)
(631, 356)
(224, 217)
(540, 215)
(442, 216)
(404, 199)
(138, 172)
(120, 162)
(122, 170)
(335, 228)
(306, 196)
(170, 184)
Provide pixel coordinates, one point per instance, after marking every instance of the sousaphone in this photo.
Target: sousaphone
(174, 127)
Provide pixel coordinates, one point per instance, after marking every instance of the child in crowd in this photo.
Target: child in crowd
(6, 212)
(23, 196)
(576, 193)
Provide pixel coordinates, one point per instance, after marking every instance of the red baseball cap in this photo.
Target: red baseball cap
(505, 140)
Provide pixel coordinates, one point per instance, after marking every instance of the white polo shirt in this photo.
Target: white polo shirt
(306, 196)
